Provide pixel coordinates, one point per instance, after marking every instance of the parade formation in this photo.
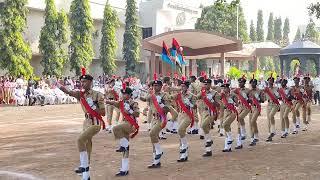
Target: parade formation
(189, 106)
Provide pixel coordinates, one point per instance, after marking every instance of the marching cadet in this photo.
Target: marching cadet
(229, 101)
(273, 107)
(92, 103)
(208, 105)
(172, 125)
(308, 95)
(111, 93)
(186, 102)
(128, 128)
(256, 97)
(158, 106)
(244, 109)
(298, 103)
(195, 88)
(201, 133)
(285, 107)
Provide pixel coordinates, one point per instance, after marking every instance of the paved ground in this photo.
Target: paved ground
(40, 143)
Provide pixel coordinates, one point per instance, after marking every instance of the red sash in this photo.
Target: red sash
(207, 102)
(299, 97)
(115, 94)
(243, 101)
(256, 103)
(160, 111)
(229, 106)
(271, 95)
(284, 97)
(130, 119)
(93, 113)
(185, 109)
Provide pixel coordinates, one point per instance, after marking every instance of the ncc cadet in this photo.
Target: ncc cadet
(244, 109)
(256, 97)
(186, 102)
(229, 101)
(195, 88)
(298, 103)
(273, 106)
(92, 103)
(172, 125)
(128, 128)
(158, 108)
(285, 106)
(308, 98)
(111, 93)
(208, 105)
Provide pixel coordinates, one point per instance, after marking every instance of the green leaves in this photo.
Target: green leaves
(53, 36)
(81, 25)
(108, 45)
(131, 38)
(222, 17)
(253, 34)
(260, 32)
(15, 53)
(314, 9)
(311, 32)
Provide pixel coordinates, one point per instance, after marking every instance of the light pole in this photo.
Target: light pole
(237, 21)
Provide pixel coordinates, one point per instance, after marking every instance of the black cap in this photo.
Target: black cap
(87, 77)
(253, 81)
(193, 77)
(201, 78)
(307, 77)
(270, 78)
(166, 79)
(186, 83)
(283, 81)
(157, 82)
(296, 77)
(207, 81)
(242, 80)
(127, 91)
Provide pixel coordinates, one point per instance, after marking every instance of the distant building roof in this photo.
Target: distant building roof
(301, 47)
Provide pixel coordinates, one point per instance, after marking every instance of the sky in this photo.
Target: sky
(295, 10)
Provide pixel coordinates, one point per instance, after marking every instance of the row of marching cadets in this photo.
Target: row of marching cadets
(185, 101)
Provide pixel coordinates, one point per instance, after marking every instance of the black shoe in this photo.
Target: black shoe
(207, 154)
(272, 135)
(182, 159)
(158, 156)
(195, 131)
(243, 138)
(283, 136)
(80, 170)
(201, 137)
(174, 131)
(221, 135)
(295, 132)
(269, 139)
(122, 149)
(153, 166)
(253, 143)
(230, 142)
(122, 173)
(183, 151)
(255, 140)
(208, 144)
(162, 138)
(239, 147)
(189, 132)
(227, 150)
(168, 130)
(297, 126)
(145, 122)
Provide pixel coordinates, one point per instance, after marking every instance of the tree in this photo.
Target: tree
(81, 25)
(253, 34)
(315, 9)
(260, 32)
(311, 31)
(234, 73)
(278, 31)
(270, 36)
(222, 17)
(15, 53)
(286, 31)
(298, 35)
(53, 35)
(131, 38)
(108, 45)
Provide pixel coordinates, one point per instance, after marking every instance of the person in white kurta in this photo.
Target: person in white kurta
(49, 95)
(61, 96)
(20, 96)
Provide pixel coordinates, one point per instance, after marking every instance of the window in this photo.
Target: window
(146, 32)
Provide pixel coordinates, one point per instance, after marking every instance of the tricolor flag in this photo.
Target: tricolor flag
(165, 55)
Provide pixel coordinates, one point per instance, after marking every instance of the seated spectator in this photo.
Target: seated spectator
(38, 93)
(20, 96)
(48, 94)
(61, 96)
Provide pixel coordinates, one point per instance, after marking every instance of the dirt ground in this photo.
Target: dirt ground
(40, 143)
